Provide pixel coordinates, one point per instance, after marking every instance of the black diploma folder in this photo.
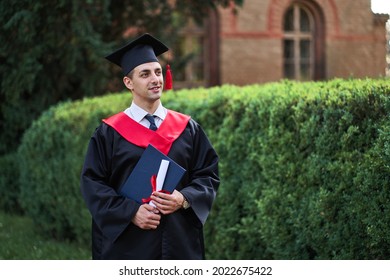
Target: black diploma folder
(138, 185)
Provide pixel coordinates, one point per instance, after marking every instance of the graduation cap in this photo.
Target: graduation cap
(142, 50)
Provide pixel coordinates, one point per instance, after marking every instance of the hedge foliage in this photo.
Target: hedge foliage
(304, 167)
(305, 170)
(51, 157)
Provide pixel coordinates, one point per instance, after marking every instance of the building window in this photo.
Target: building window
(298, 43)
(189, 56)
(195, 52)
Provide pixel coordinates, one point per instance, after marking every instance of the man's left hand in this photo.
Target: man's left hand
(167, 203)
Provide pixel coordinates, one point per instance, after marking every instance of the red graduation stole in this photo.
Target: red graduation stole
(162, 139)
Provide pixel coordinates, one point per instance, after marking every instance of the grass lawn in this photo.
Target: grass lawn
(19, 241)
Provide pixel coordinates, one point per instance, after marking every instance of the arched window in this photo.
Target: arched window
(299, 43)
(196, 52)
(189, 55)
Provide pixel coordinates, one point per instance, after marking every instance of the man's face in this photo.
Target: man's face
(146, 82)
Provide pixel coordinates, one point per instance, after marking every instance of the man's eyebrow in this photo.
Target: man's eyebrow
(149, 70)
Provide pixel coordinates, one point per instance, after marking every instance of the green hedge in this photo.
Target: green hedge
(52, 153)
(304, 167)
(305, 172)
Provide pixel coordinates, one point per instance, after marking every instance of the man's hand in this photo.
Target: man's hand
(147, 217)
(167, 203)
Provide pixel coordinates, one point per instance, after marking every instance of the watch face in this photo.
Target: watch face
(186, 204)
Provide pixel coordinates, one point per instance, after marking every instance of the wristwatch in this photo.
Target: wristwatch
(185, 204)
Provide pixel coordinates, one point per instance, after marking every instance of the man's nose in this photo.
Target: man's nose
(155, 78)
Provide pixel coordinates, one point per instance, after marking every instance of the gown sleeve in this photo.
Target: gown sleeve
(204, 180)
(111, 212)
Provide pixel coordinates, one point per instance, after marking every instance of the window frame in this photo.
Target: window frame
(297, 36)
(316, 37)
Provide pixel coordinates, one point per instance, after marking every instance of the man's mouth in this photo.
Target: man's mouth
(155, 88)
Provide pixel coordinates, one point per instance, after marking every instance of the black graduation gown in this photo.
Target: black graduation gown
(109, 161)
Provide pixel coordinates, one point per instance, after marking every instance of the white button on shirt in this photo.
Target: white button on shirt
(138, 114)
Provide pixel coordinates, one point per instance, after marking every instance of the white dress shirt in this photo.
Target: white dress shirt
(138, 114)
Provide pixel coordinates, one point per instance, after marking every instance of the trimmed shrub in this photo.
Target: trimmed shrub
(304, 173)
(52, 154)
(304, 167)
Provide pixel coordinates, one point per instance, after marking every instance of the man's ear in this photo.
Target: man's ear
(128, 83)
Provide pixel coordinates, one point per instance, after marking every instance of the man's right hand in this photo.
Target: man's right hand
(147, 217)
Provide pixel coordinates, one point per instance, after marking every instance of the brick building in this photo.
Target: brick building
(268, 40)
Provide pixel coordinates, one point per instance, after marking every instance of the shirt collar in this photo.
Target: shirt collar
(138, 113)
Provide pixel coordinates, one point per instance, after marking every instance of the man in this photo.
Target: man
(122, 228)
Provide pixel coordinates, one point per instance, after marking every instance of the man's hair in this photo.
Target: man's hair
(131, 74)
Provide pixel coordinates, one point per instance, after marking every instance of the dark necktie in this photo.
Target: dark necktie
(150, 118)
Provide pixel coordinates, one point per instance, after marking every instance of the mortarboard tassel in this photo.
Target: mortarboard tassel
(168, 79)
